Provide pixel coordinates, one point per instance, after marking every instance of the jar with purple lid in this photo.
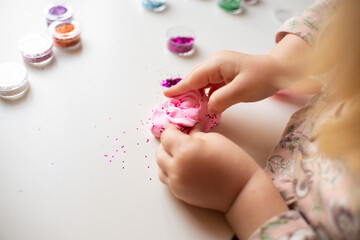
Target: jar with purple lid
(36, 49)
(180, 40)
(58, 12)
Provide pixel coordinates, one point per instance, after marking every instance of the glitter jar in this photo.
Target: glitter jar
(65, 34)
(58, 12)
(180, 41)
(232, 6)
(154, 5)
(13, 80)
(36, 49)
(250, 2)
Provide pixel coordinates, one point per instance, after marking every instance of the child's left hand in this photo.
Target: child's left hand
(203, 169)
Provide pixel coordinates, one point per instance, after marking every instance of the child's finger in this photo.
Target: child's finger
(196, 79)
(162, 176)
(163, 159)
(225, 96)
(198, 128)
(172, 138)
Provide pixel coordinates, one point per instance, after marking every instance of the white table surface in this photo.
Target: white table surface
(55, 182)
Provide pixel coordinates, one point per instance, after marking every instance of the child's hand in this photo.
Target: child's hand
(236, 77)
(209, 171)
(203, 169)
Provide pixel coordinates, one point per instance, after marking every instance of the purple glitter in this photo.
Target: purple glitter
(58, 10)
(180, 44)
(170, 82)
(182, 40)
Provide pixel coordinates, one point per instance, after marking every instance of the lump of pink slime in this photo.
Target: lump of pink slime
(184, 111)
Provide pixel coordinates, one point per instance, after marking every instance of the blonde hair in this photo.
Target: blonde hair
(338, 52)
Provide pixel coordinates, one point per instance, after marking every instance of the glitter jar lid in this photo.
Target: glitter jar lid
(154, 5)
(13, 80)
(64, 30)
(58, 12)
(35, 45)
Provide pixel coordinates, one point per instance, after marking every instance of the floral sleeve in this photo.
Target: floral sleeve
(307, 25)
(288, 225)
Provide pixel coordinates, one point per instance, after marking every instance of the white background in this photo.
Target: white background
(55, 182)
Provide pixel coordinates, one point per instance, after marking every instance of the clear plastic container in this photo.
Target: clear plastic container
(58, 12)
(231, 6)
(154, 5)
(36, 49)
(180, 40)
(13, 80)
(251, 2)
(66, 34)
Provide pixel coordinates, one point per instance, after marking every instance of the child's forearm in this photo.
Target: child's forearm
(292, 53)
(258, 201)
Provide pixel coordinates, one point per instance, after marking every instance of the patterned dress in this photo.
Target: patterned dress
(322, 194)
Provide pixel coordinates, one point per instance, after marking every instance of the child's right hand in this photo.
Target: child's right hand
(236, 77)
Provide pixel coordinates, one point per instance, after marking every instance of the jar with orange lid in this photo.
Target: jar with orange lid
(65, 34)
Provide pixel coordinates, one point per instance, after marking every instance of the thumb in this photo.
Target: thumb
(225, 96)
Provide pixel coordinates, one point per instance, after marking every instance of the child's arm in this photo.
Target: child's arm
(237, 77)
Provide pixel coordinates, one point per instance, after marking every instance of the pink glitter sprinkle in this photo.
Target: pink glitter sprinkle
(116, 139)
(169, 83)
(123, 167)
(122, 146)
(137, 128)
(117, 150)
(105, 155)
(146, 156)
(107, 136)
(147, 140)
(112, 156)
(148, 166)
(124, 151)
(123, 131)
